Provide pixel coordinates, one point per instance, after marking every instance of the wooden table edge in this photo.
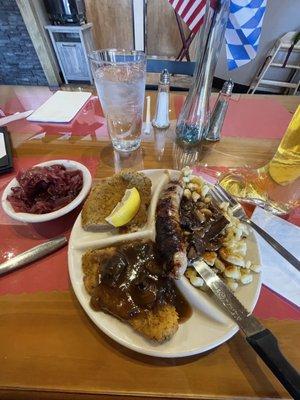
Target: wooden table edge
(36, 394)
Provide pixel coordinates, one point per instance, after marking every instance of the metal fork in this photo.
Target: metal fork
(220, 195)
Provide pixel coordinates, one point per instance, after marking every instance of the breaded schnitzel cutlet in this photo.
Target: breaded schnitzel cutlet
(126, 282)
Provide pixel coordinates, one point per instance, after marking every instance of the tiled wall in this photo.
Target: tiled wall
(19, 64)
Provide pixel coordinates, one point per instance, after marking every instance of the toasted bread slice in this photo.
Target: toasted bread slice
(100, 203)
(159, 324)
(105, 196)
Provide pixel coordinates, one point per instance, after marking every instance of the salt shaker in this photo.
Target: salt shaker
(219, 112)
(161, 119)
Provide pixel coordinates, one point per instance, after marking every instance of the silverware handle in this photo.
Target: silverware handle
(266, 346)
(277, 246)
(33, 254)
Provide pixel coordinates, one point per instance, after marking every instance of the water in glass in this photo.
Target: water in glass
(121, 90)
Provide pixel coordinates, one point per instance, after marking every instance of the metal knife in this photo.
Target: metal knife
(33, 254)
(260, 339)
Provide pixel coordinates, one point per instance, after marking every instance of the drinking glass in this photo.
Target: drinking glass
(276, 183)
(120, 77)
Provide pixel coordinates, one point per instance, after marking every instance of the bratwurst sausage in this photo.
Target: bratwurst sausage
(170, 240)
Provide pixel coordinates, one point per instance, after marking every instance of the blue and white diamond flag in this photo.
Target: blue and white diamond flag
(243, 31)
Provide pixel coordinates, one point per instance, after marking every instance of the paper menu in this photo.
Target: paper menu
(6, 160)
(61, 107)
(2, 146)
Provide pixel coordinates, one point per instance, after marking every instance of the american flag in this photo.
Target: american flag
(243, 28)
(191, 11)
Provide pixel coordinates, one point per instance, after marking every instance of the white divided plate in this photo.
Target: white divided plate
(208, 327)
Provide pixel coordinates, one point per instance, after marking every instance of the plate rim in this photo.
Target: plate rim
(153, 352)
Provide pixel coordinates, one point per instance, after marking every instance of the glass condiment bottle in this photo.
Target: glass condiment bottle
(219, 112)
(193, 122)
(161, 119)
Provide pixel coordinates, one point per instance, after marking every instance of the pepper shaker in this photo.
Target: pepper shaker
(161, 119)
(219, 112)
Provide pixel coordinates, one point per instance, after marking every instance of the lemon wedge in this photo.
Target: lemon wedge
(126, 209)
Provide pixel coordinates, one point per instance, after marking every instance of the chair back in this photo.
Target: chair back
(156, 65)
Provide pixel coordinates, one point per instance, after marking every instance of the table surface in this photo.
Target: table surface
(49, 347)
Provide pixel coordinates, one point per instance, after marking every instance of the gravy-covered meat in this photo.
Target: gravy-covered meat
(129, 282)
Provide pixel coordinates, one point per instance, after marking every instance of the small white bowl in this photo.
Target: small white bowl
(35, 218)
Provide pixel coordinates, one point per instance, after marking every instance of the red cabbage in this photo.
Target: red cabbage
(45, 189)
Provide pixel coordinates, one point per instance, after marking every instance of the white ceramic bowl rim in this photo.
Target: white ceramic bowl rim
(35, 218)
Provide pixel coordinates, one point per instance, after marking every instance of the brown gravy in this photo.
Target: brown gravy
(201, 235)
(183, 308)
(132, 281)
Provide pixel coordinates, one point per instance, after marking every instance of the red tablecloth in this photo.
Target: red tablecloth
(246, 118)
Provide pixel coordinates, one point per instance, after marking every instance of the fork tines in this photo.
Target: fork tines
(226, 195)
(220, 195)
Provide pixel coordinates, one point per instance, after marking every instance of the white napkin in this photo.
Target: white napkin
(14, 117)
(277, 273)
(61, 107)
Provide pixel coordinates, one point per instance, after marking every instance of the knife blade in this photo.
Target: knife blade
(260, 339)
(33, 254)
(15, 117)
